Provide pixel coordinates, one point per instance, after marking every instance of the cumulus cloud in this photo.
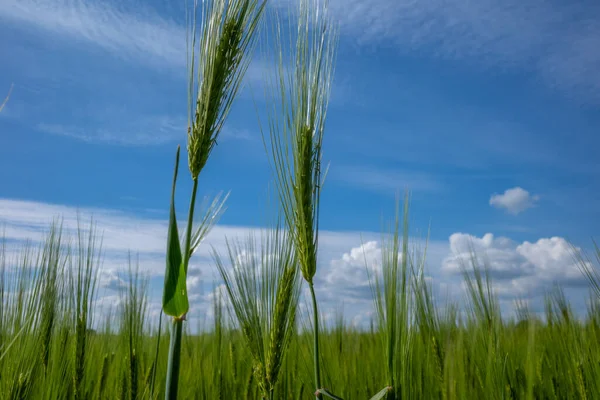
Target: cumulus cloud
(499, 252)
(343, 282)
(111, 279)
(514, 201)
(350, 271)
(518, 269)
(194, 278)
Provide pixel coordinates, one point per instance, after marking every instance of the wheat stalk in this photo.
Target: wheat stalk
(296, 137)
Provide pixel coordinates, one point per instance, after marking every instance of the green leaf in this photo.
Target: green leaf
(175, 299)
(382, 393)
(328, 394)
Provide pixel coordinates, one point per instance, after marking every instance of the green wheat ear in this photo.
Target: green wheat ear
(227, 39)
(296, 139)
(263, 289)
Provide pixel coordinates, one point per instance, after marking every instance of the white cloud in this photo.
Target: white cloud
(500, 254)
(111, 279)
(341, 259)
(106, 304)
(343, 282)
(517, 269)
(121, 232)
(514, 201)
(350, 271)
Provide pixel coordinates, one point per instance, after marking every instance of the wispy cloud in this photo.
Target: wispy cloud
(237, 134)
(144, 130)
(130, 30)
(555, 40)
(120, 106)
(384, 180)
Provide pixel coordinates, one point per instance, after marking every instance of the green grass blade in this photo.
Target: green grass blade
(175, 299)
(156, 357)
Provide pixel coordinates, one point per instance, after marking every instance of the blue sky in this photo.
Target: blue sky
(489, 113)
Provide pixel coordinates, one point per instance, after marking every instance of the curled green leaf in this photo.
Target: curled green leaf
(175, 299)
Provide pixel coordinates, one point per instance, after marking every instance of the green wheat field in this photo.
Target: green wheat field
(55, 345)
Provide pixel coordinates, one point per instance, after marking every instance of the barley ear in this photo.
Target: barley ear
(283, 319)
(228, 36)
(296, 139)
(263, 289)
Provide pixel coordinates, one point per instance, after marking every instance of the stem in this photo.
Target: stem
(174, 358)
(316, 340)
(176, 328)
(155, 362)
(188, 238)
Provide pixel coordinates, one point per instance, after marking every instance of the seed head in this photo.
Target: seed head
(283, 319)
(297, 138)
(228, 35)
